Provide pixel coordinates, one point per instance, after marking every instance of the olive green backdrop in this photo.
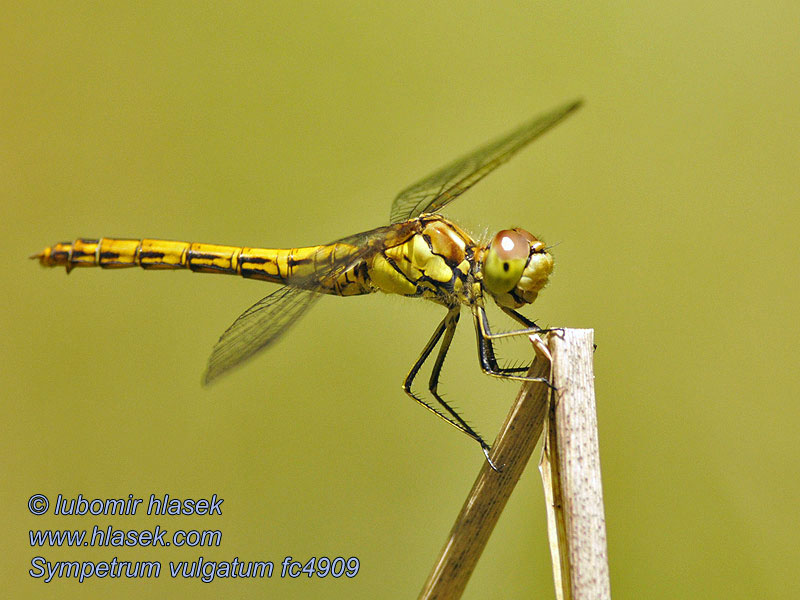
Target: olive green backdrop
(672, 197)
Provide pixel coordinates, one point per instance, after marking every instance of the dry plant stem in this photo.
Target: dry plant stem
(491, 490)
(556, 519)
(575, 508)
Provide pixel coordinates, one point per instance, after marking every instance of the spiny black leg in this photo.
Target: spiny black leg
(486, 354)
(486, 333)
(448, 324)
(433, 384)
(450, 320)
(530, 326)
(520, 318)
(489, 362)
(426, 352)
(527, 322)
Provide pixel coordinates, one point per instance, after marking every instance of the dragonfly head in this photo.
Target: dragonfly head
(516, 266)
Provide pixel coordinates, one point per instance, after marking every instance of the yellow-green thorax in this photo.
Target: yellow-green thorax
(434, 262)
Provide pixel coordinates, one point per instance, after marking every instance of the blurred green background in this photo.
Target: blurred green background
(672, 197)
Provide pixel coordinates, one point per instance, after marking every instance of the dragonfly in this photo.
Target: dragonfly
(419, 254)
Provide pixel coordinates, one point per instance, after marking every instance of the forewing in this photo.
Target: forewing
(449, 182)
(269, 318)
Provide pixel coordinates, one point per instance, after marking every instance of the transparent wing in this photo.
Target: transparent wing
(269, 318)
(257, 327)
(446, 184)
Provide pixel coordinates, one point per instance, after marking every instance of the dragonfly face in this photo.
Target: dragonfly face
(516, 266)
(420, 254)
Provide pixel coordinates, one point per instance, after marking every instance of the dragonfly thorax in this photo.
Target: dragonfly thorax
(515, 266)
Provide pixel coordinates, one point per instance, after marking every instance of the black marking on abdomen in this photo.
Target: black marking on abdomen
(254, 260)
(150, 254)
(292, 262)
(195, 255)
(210, 267)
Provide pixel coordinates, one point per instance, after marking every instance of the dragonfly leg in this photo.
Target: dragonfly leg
(528, 323)
(426, 351)
(447, 328)
(488, 361)
(530, 327)
(433, 386)
(520, 318)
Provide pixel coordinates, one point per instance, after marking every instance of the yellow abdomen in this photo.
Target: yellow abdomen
(278, 265)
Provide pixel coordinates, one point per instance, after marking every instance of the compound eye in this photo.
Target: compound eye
(526, 234)
(535, 245)
(511, 245)
(505, 261)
